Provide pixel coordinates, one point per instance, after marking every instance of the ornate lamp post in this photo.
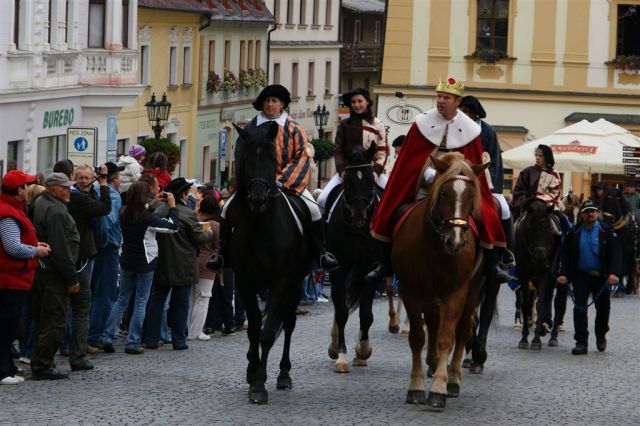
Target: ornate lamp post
(321, 117)
(158, 113)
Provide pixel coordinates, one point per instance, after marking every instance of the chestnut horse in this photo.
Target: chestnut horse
(437, 258)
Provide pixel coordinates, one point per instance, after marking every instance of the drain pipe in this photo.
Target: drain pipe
(275, 26)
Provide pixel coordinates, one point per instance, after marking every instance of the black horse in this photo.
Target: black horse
(348, 238)
(618, 213)
(537, 239)
(267, 252)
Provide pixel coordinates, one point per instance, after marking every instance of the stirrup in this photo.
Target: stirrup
(508, 259)
(328, 262)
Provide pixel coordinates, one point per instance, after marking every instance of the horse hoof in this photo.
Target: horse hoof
(258, 397)
(553, 342)
(517, 326)
(404, 333)
(284, 383)
(476, 368)
(429, 372)
(357, 362)
(436, 401)
(523, 345)
(333, 354)
(394, 329)
(536, 346)
(453, 390)
(416, 397)
(363, 350)
(341, 368)
(466, 363)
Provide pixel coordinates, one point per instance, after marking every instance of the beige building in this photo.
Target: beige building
(552, 63)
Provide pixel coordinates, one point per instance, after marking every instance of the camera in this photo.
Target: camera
(97, 170)
(164, 195)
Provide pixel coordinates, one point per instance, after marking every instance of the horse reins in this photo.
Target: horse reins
(451, 222)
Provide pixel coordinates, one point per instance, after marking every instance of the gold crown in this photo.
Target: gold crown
(451, 85)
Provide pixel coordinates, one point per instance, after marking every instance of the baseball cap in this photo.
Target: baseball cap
(113, 168)
(16, 178)
(588, 205)
(58, 179)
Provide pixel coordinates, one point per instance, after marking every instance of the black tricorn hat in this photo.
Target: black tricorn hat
(178, 185)
(273, 90)
(473, 104)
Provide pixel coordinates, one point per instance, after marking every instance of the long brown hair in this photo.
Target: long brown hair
(136, 205)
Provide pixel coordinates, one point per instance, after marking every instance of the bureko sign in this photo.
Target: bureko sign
(58, 118)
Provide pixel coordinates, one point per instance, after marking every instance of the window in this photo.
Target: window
(49, 25)
(121, 147)
(250, 56)
(256, 64)
(227, 54)
(377, 32)
(183, 158)
(186, 65)
(16, 22)
(327, 17)
(493, 24)
(327, 78)
(69, 13)
(357, 31)
(290, 12)
(243, 55)
(145, 64)
(311, 79)
(14, 155)
(141, 139)
(96, 23)
(303, 12)
(50, 150)
(212, 55)
(125, 23)
(173, 65)
(294, 80)
(276, 73)
(316, 12)
(628, 36)
(206, 163)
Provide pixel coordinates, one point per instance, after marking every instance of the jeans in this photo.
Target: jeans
(583, 285)
(180, 309)
(164, 327)
(130, 283)
(11, 302)
(26, 322)
(104, 287)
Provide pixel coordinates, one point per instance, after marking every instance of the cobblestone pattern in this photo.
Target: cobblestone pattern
(205, 384)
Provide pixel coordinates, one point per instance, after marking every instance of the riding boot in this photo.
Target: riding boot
(327, 261)
(216, 261)
(376, 273)
(493, 266)
(508, 258)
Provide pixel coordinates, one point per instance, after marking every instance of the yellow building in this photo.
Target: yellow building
(168, 42)
(552, 62)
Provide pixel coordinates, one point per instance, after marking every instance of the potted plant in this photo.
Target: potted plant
(260, 78)
(488, 55)
(245, 78)
(627, 63)
(230, 82)
(214, 83)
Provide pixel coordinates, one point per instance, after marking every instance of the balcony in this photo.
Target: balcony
(108, 67)
(361, 57)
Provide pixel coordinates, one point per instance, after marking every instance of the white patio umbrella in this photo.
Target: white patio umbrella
(581, 147)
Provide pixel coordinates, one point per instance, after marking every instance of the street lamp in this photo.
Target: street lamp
(158, 113)
(321, 117)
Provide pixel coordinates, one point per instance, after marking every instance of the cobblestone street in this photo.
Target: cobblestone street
(205, 385)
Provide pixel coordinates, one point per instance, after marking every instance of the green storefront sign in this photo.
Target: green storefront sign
(58, 118)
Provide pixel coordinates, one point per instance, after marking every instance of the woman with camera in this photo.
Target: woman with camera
(137, 262)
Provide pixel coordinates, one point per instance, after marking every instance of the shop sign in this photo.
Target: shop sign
(81, 145)
(58, 118)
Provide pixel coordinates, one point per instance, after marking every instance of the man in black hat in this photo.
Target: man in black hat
(631, 196)
(177, 268)
(597, 193)
(591, 259)
(292, 172)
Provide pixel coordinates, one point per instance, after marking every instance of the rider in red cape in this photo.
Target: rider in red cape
(437, 131)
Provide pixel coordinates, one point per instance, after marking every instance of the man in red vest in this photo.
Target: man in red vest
(19, 253)
(440, 130)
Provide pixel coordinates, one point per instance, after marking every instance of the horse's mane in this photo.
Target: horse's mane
(537, 209)
(458, 166)
(357, 157)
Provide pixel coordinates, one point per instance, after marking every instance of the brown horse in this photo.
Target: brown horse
(438, 261)
(570, 205)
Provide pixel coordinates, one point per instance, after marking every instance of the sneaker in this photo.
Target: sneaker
(50, 374)
(24, 360)
(137, 350)
(19, 378)
(322, 299)
(229, 331)
(301, 311)
(93, 349)
(11, 380)
(208, 331)
(203, 336)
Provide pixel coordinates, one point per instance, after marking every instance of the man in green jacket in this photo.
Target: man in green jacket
(56, 276)
(177, 269)
(631, 195)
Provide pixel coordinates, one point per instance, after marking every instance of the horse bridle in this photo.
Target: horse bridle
(368, 201)
(270, 187)
(450, 222)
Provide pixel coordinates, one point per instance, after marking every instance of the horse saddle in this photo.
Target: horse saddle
(299, 211)
(332, 201)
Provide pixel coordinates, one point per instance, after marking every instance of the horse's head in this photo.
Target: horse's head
(571, 205)
(257, 164)
(359, 189)
(454, 197)
(539, 232)
(613, 207)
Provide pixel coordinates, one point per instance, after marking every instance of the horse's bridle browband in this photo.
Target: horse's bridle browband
(270, 186)
(451, 222)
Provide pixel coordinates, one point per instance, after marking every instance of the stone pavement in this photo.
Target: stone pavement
(205, 385)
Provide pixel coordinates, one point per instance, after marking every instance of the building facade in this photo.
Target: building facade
(535, 65)
(63, 64)
(232, 71)
(169, 46)
(304, 56)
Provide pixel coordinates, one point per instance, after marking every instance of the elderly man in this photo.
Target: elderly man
(56, 276)
(631, 195)
(292, 171)
(435, 132)
(591, 259)
(19, 253)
